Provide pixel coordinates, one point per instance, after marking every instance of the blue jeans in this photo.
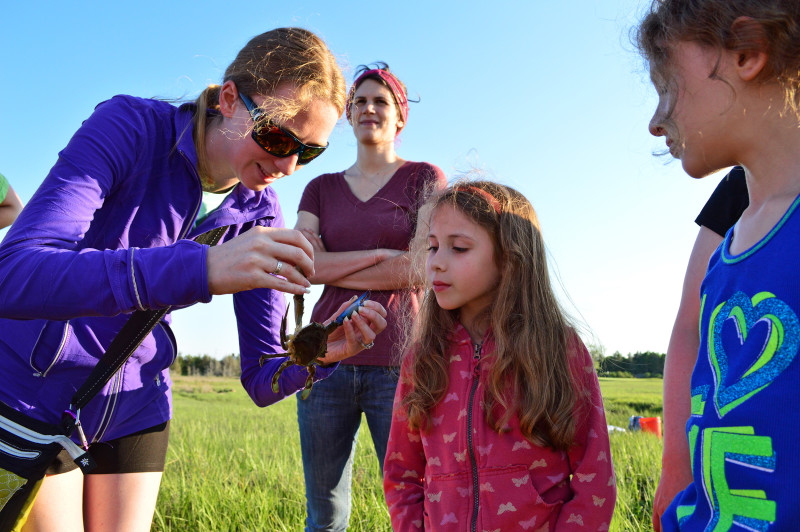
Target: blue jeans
(329, 420)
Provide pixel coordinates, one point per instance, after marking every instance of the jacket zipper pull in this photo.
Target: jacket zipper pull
(477, 357)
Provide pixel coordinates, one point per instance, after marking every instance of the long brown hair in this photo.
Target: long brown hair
(530, 376)
(278, 57)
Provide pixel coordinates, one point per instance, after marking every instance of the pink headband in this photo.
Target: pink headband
(491, 200)
(394, 85)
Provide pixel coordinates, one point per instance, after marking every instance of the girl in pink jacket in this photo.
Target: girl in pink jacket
(499, 423)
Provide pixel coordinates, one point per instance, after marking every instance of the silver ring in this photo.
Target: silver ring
(367, 346)
(278, 268)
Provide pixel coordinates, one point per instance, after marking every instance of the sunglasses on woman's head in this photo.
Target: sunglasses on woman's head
(277, 141)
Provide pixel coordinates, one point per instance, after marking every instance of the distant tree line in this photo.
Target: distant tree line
(638, 365)
(206, 366)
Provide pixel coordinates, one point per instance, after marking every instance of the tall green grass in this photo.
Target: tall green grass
(637, 456)
(234, 467)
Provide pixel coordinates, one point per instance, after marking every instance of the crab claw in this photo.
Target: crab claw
(284, 338)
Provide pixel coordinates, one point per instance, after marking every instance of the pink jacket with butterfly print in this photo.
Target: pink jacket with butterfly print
(430, 477)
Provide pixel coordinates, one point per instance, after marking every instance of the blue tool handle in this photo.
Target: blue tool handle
(352, 308)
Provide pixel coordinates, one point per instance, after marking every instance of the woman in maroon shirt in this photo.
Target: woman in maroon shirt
(360, 223)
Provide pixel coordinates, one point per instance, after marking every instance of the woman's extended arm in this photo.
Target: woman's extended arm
(84, 246)
(47, 268)
(676, 468)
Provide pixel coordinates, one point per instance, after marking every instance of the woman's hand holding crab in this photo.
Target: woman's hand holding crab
(358, 330)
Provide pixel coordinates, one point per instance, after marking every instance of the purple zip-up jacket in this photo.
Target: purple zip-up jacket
(107, 233)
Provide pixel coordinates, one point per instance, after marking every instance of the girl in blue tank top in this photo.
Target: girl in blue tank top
(726, 72)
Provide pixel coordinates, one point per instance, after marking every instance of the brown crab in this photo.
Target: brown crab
(308, 343)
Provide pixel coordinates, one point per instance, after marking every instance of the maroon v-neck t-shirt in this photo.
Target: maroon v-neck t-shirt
(386, 220)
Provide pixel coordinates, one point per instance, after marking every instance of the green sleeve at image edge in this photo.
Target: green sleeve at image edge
(3, 188)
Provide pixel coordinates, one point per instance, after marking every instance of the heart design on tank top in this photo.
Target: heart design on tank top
(768, 333)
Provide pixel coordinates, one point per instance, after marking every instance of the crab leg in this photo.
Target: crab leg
(287, 363)
(298, 312)
(264, 358)
(309, 382)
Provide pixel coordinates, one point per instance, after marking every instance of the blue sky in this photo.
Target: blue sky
(547, 97)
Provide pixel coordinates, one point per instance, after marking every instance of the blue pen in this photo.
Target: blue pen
(358, 303)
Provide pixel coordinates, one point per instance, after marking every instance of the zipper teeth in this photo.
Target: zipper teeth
(64, 337)
(169, 341)
(133, 278)
(475, 486)
(105, 419)
(197, 208)
(43, 439)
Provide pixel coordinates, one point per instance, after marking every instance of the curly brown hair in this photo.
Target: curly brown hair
(531, 375)
(772, 26)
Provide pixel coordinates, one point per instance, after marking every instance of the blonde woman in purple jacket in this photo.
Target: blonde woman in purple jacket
(110, 232)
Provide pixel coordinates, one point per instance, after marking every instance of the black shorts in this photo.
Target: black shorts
(140, 452)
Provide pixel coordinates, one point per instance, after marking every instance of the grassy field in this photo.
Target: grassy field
(234, 467)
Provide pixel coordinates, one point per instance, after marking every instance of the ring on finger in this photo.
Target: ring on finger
(367, 346)
(278, 268)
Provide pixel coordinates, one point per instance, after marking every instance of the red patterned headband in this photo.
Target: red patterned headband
(491, 200)
(394, 85)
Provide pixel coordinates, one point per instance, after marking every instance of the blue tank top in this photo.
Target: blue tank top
(744, 429)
